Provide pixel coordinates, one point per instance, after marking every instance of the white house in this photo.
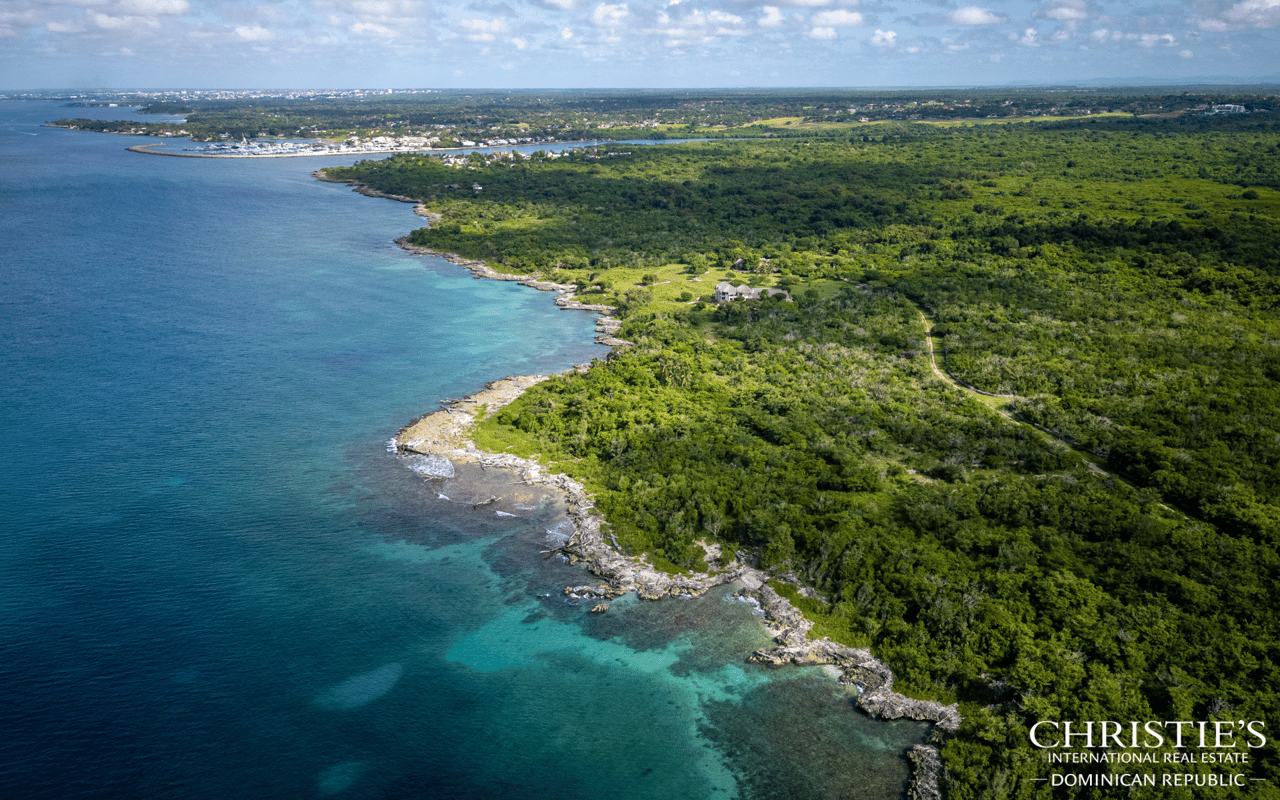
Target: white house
(727, 292)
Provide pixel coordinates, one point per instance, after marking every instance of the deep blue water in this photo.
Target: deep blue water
(215, 582)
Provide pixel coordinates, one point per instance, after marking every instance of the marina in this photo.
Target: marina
(353, 146)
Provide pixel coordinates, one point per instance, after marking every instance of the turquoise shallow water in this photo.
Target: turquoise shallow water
(216, 582)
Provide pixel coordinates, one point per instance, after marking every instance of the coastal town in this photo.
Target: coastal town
(253, 124)
(353, 145)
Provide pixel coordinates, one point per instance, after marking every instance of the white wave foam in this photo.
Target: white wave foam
(430, 466)
(751, 601)
(560, 534)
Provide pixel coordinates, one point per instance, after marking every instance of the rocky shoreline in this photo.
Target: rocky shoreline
(566, 298)
(566, 294)
(873, 679)
(359, 188)
(445, 436)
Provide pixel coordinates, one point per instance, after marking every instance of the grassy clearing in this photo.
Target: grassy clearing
(671, 286)
(825, 624)
(501, 439)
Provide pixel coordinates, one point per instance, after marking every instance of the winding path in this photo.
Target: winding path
(947, 377)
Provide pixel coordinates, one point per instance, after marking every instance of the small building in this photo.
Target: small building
(726, 292)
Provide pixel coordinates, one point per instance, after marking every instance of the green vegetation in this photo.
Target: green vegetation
(569, 115)
(1120, 276)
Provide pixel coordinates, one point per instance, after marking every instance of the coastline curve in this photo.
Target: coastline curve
(447, 434)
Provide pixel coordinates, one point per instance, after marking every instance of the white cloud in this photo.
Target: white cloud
(11, 17)
(72, 26)
(695, 28)
(1255, 13)
(772, 17)
(1214, 25)
(838, 17)
(253, 33)
(483, 30)
(677, 39)
(374, 8)
(372, 29)
(606, 15)
(109, 23)
(271, 16)
(1247, 14)
(1066, 11)
(972, 15)
(153, 7)
(658, 40)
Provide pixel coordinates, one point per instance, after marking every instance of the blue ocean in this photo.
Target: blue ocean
(216, 581)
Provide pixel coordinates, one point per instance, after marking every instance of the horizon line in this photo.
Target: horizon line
(1091, 84)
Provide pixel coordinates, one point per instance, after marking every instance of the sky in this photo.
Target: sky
(333, 44)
